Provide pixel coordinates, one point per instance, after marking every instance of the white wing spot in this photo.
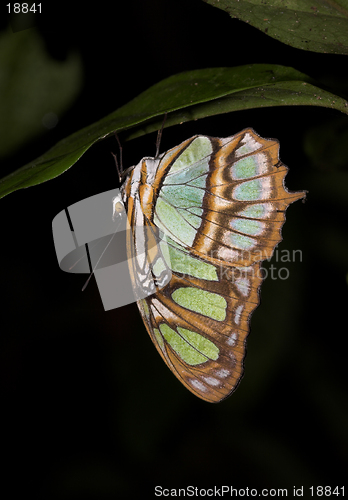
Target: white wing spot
(228, 254)
(248, 145)
(239, 310)
(243, 285)
(232, 339)
(222, 373)
(233, 358)
(155, 313)
(164, 311)
(212, 381)
(198, 385)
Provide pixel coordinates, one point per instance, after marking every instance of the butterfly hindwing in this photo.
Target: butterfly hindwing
(218, 206)
(203, 325)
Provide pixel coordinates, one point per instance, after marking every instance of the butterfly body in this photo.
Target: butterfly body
(219, 205)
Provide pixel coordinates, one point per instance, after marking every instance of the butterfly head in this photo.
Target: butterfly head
(117, 207)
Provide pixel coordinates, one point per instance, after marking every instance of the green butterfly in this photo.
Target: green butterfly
(219, 205)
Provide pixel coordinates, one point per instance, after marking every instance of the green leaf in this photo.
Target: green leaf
(186, 96)
(35, 90)
(320, 26)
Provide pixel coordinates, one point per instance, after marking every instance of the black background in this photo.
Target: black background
(90, 410)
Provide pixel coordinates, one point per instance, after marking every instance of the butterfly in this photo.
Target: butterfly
(201, 218)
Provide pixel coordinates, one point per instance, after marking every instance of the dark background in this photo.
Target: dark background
(90, 410)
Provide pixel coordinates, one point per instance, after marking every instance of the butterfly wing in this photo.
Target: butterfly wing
(200, 327)
(220, 205)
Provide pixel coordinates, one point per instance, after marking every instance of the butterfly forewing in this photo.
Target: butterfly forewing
(219, 206)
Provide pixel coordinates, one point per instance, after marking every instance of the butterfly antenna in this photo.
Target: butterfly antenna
(119, 167)
(96, 264)
(80, 259)
(159, 136)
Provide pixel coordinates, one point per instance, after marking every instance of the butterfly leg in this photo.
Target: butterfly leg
(159, 136)
(119, 167)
